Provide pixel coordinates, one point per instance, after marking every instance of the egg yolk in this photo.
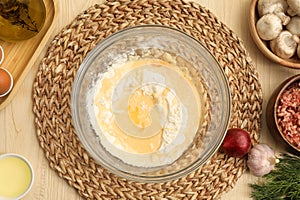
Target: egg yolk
(139, 107)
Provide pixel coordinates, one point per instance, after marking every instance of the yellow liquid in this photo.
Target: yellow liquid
(139, 107)
(21, 19)
(15, 177)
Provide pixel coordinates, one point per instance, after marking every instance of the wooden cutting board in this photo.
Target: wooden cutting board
(21, 56)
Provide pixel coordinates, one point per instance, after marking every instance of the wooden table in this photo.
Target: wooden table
(17, 130)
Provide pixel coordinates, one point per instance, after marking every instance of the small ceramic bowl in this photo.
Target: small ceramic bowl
(1, 55)
(276, 112)
(16, 176)
(263, 46)
(7, 82)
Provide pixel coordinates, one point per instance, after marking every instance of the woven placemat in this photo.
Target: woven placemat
(53, 85)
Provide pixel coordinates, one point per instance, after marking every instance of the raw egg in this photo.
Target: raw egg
(6, 82)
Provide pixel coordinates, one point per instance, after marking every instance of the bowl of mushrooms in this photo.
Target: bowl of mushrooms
(275, 28)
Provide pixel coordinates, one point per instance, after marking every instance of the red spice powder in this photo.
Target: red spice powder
(288, 114)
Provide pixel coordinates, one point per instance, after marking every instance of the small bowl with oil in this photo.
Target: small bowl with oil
(16, 176)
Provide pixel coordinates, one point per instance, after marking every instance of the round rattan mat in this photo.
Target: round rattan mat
(53, 85)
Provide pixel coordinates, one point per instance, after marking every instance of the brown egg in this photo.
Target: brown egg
(5, 81)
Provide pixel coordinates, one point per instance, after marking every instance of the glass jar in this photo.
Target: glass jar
(21, 19)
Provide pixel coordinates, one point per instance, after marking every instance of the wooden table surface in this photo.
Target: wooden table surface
(17, 130)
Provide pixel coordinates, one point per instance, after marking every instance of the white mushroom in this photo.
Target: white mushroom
(277, 7)
(269, 26)
(285, 44)
(294, 7)
(294, 25)
(271, 6)
(284, 18)
(298, 51)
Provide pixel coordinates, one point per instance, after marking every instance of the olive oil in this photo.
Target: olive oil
(15, 177)
(21, 19)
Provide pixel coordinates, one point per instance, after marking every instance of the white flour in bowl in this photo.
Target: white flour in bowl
(146, 111)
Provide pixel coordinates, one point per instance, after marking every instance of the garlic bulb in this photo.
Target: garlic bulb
(261, 160)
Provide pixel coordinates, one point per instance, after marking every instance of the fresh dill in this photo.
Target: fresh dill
(281, 183)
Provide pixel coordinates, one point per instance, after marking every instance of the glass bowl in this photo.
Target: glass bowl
(150, 104)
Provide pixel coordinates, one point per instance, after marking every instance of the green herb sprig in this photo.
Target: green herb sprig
(281, 183)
